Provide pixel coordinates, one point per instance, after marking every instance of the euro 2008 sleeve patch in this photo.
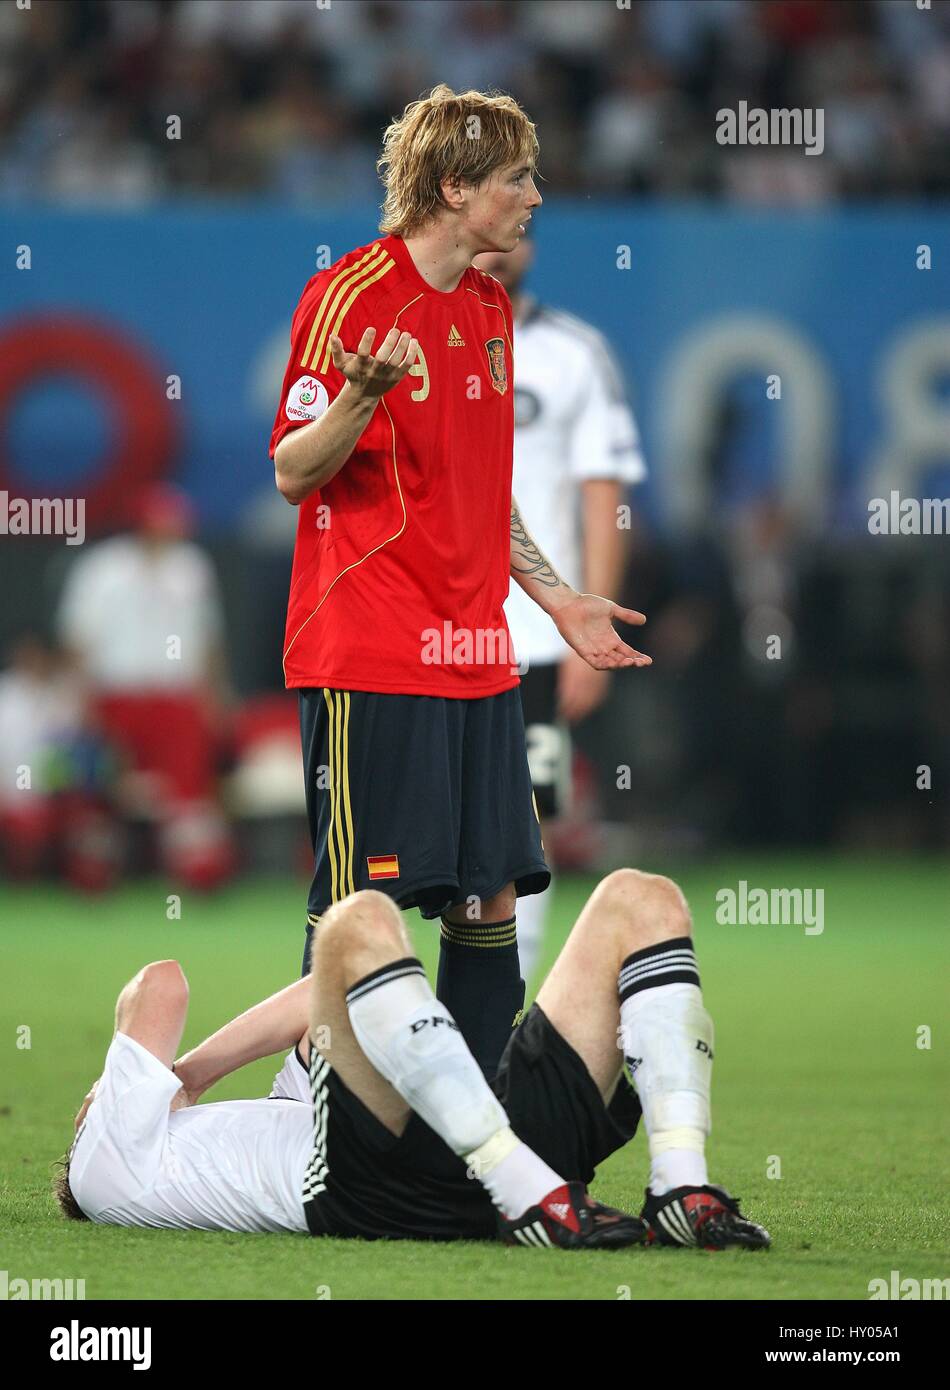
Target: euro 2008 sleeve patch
(307, 399)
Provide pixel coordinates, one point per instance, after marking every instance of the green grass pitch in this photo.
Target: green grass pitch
(817, 1066)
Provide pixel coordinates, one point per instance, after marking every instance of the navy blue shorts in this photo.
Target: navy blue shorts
(424, 798)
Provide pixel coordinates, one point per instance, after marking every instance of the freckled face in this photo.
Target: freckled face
(499, 211)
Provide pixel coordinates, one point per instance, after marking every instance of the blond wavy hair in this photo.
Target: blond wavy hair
(466, 135)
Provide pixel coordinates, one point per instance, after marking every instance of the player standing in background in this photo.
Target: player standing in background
(577, 449)
(141, 615)
(416, 772)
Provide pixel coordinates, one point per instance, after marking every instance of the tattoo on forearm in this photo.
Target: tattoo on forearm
(526, 558)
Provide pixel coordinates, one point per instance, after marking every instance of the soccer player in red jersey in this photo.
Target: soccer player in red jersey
(394, 436)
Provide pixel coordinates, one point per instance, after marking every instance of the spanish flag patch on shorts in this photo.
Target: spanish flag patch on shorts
(382, 865)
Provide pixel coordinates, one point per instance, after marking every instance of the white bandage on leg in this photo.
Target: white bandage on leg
(682, 1138)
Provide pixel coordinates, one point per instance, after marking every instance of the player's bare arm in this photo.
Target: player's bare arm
(151, 1010)
(308, 458)
(583, 620)
(273, 1025)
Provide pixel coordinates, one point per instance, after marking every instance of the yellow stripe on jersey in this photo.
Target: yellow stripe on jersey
(333, 306)
(330, 298)
(322, 362)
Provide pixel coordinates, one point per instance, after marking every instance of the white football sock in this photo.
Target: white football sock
(532, 919)
(516, 1178)
(413, 1041)
(667, 1039)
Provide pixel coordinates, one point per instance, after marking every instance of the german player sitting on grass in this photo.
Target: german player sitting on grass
(406, 1138)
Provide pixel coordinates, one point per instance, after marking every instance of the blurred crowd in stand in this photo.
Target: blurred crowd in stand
(287, 98)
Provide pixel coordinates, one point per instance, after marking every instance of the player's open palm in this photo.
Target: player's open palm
(374, 375)
(586, 625)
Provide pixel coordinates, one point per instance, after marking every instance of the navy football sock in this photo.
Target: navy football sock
(480, 983)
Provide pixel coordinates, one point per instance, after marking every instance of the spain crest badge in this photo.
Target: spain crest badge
(497, 365)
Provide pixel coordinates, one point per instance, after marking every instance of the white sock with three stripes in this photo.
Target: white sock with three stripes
(667, 1040)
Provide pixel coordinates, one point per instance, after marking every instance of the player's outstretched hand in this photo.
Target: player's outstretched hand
(373, 376)
(586, 624)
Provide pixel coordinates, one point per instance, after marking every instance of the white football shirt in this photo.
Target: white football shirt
(123, 602)
(235, 1165)
(572, 422)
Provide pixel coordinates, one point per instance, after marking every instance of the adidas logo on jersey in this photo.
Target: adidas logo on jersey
(455, 338)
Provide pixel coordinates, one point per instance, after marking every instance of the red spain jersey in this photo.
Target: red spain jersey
(401, 564)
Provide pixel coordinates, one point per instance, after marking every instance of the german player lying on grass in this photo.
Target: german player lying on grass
(405, 1137)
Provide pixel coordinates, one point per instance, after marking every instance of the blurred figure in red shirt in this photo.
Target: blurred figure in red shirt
(142, 616)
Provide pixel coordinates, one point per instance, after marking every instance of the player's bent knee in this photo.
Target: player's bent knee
(367, 908)
(623, 887)
(366, 921)
(667, 908)
(652, 900)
